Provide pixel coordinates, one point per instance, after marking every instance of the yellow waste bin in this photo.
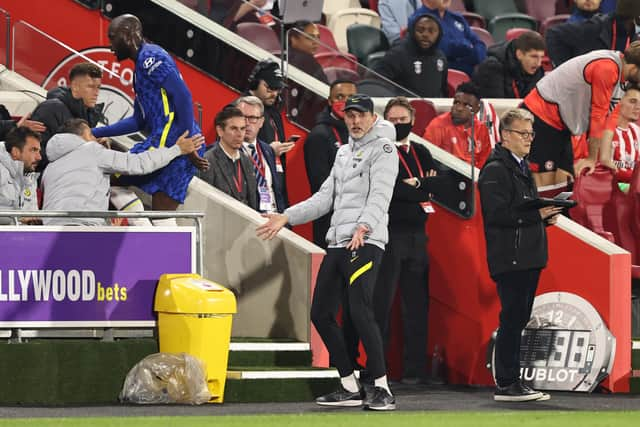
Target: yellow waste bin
(194, 316)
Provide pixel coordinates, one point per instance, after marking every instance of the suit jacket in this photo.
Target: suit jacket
(220, 174)
(276, 179)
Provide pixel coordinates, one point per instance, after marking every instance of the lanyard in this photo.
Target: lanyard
(260, 165)
(614, 30)
(406, 166)
(338, 139)
(238, 181)
(516, 92)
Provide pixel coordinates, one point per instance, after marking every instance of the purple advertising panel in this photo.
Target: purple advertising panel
(87, 276)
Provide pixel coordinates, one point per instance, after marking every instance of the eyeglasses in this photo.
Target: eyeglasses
(252, 119)
(523, 133)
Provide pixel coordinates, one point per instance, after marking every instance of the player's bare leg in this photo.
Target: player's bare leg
(162, 202)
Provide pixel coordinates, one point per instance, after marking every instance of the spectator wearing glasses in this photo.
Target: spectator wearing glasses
(452, 131)
(231, 170)
(516, 242)
(270, 197)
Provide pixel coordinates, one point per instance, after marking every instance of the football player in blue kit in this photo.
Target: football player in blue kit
(162, 108)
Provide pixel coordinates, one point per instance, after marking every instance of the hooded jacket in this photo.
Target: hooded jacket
(320, 148)
(358, 189)
(516, 239)
(59, 107)
(421, 71)
(17, 190)
(501, 74)
(462, 47)
(78, 177)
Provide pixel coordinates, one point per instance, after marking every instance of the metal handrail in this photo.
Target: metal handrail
(8, 52)
(195, 216)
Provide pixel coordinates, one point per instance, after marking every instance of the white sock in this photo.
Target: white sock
(382, 382)
(124, 199)
(165, 222)
(350, 383)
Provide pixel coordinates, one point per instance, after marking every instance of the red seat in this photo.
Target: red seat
(458, 6)
(540, 9)
(425, 112)
(474, 20)
(514, 33)
(594, 195)
(551, 21)
(339, 73)
(455, 78)
(327, 41)
(260, 35)
(484, 35)
(335, 59)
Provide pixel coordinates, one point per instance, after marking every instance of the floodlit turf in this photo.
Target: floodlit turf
(353, 419)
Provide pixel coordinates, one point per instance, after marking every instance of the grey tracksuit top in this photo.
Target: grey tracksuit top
(358, 189)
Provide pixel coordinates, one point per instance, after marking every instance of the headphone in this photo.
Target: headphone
(261, 66)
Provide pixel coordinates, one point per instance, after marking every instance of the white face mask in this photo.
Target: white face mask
(635, 22)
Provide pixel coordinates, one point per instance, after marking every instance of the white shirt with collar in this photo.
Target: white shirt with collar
(267, 172)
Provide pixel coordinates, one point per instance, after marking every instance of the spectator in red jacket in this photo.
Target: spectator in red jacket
(452, 131)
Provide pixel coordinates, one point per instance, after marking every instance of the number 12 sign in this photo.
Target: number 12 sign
(566, 345)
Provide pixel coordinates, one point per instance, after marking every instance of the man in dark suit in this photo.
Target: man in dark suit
(270, 194)
(230, 169)
(516, 241)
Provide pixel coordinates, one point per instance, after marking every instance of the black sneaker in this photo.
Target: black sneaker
(545, 396)
(517, 392)
(341, 397)
(381, 400)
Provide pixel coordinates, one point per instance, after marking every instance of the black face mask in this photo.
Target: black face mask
(402, 130)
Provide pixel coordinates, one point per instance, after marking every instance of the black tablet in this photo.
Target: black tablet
(542, 202)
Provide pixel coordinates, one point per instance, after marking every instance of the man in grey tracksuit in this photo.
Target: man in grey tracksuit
(78, 175)
(19, 157)
(358, 190)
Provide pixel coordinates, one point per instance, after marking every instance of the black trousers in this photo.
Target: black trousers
(516, 290)
(355, 272)
(405, 263)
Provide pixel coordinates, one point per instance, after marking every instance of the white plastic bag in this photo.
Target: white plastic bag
(167, 378)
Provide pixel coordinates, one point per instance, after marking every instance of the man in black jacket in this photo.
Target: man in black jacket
(416, 63)
(77, 101)
(516, 242)
(322, 144)
(613, 31)
(405, 261)
(512, 68)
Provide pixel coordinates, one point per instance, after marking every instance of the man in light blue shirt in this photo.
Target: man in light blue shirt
(394, 15)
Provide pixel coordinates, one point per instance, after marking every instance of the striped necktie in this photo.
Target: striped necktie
(261, 181)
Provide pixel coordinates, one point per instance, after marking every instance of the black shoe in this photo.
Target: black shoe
(411, 381)
(381, 400)
(517, 392)
(341, 397)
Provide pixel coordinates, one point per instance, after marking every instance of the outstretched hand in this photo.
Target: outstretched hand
(269, 229)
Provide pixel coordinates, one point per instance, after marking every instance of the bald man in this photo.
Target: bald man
(163, 106)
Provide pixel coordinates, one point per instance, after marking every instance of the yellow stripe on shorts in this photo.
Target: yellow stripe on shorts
(359, 272)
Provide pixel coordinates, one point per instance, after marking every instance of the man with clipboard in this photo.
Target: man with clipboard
(516, 241)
